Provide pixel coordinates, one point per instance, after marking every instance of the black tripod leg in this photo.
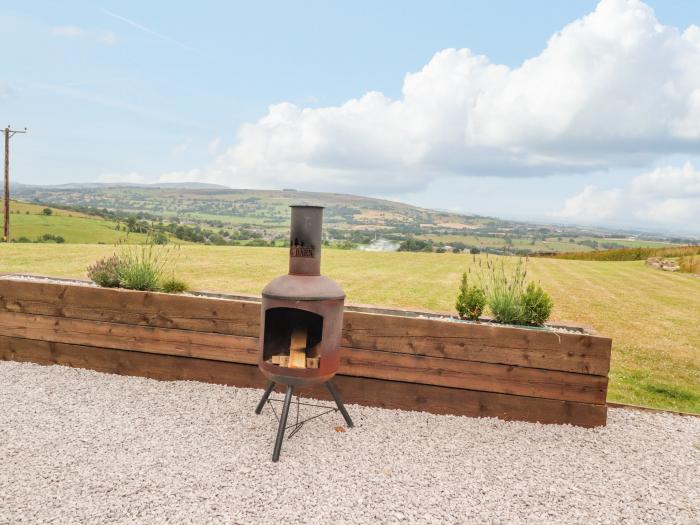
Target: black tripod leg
(340, 404)
(283, 423)
(268, 390)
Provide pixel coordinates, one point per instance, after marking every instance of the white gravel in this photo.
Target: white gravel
(80, 446)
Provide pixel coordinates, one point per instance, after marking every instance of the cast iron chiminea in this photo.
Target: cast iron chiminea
(301, 320)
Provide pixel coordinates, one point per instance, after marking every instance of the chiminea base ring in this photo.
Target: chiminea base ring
(282, 427)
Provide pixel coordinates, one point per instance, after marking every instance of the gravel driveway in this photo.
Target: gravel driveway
(80, 446)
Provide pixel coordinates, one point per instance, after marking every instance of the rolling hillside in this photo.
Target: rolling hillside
(28, 223)
(349, 220)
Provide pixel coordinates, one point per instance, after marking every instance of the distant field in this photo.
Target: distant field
(651, 315)
(517, 243)
(550, 244)
(638, 253)
(27, 220)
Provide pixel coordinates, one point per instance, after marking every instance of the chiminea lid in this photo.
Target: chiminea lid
(303, 288)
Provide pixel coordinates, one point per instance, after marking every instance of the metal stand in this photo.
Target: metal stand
(296, 426)
(265, 397)
(283, 423)
(339, 403)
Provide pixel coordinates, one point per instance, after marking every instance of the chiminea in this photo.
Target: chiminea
(301, 320)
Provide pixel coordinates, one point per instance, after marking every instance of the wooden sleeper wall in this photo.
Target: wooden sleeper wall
(390, 361)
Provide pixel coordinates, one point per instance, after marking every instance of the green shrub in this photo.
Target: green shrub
(470, 301)
(160, 238)
(504, 291)
(173, 285)
(50, 237)
(105, 272)
(142, 267)
(537, 305)
(510, 300)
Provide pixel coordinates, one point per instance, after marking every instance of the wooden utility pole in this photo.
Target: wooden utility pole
(8, 133)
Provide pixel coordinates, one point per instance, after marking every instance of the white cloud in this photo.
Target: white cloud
(67, 31)
(664, 197)
(182, 146)
(592, 203)
(98, 35)
(135, 177)
(106, 37)
(670, 181)
(613, 89)
(213, 146)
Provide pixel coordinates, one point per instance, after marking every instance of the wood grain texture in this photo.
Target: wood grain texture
(490, 343)
(119, 336)
(183, 312)
(506, 379)
(363, 391)
(580, 353)
(454, 373)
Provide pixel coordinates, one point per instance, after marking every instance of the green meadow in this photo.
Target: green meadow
(28, 221)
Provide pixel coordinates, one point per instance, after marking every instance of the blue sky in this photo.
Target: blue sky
(148, 91)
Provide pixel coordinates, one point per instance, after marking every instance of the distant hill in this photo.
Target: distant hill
(93, 185)
(29, 223)
(350, 220)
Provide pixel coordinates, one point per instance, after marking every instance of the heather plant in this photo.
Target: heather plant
(470, 301)
(105, 272)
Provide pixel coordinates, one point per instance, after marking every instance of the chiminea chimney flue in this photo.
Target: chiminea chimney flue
(305, 240)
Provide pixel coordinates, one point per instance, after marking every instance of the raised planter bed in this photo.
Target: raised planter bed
(390, 358)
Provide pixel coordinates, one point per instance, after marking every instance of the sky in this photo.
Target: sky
(579, 111)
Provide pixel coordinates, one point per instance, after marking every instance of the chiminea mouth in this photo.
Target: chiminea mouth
(292, 337)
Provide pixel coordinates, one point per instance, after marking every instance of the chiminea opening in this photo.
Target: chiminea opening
(292, 338)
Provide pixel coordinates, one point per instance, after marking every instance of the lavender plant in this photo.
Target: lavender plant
(504, 291)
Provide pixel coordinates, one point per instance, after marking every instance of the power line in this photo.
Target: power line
(8, 134)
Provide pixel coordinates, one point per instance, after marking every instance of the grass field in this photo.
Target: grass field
(550, 244)
(638, 253)
(651, 315)
(27, 220)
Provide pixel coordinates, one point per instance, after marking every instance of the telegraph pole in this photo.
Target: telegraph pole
(8, 133)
